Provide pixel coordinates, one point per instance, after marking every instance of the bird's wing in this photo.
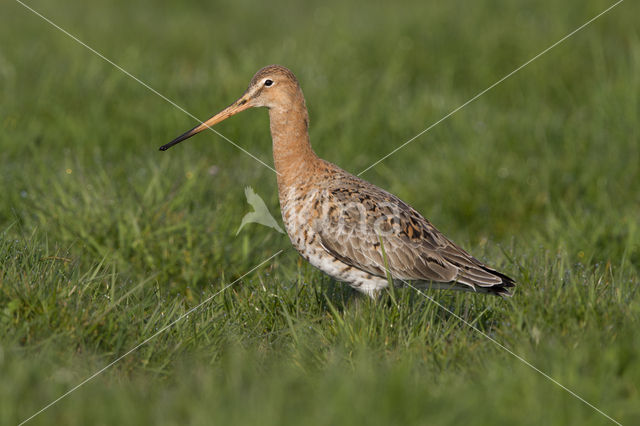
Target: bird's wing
(364, 225)
(362, 220)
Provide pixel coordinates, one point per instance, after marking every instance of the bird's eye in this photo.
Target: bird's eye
(268, 83)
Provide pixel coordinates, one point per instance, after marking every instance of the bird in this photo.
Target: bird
(343, 225)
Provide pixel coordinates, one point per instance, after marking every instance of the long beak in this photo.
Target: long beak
(236, 107)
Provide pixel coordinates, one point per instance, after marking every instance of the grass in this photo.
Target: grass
(104, 240)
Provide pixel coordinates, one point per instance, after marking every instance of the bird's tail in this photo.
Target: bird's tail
(483, 279)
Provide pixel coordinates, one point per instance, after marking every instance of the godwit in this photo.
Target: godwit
(343, 225)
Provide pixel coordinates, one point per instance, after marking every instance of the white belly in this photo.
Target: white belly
(299, 225)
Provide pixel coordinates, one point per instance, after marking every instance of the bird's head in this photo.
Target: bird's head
(273, 86)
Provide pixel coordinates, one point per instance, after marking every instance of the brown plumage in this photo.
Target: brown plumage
(343, 225)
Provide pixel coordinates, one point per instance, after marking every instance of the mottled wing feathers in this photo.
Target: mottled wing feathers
(354, 235)
(361, 217)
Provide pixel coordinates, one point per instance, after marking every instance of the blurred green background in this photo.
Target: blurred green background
(104, 240)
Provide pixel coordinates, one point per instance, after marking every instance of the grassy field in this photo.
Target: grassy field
(104, 240)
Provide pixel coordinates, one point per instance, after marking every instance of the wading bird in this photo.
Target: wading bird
(347, 227)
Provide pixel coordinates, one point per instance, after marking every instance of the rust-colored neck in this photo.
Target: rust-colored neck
(292, 153)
